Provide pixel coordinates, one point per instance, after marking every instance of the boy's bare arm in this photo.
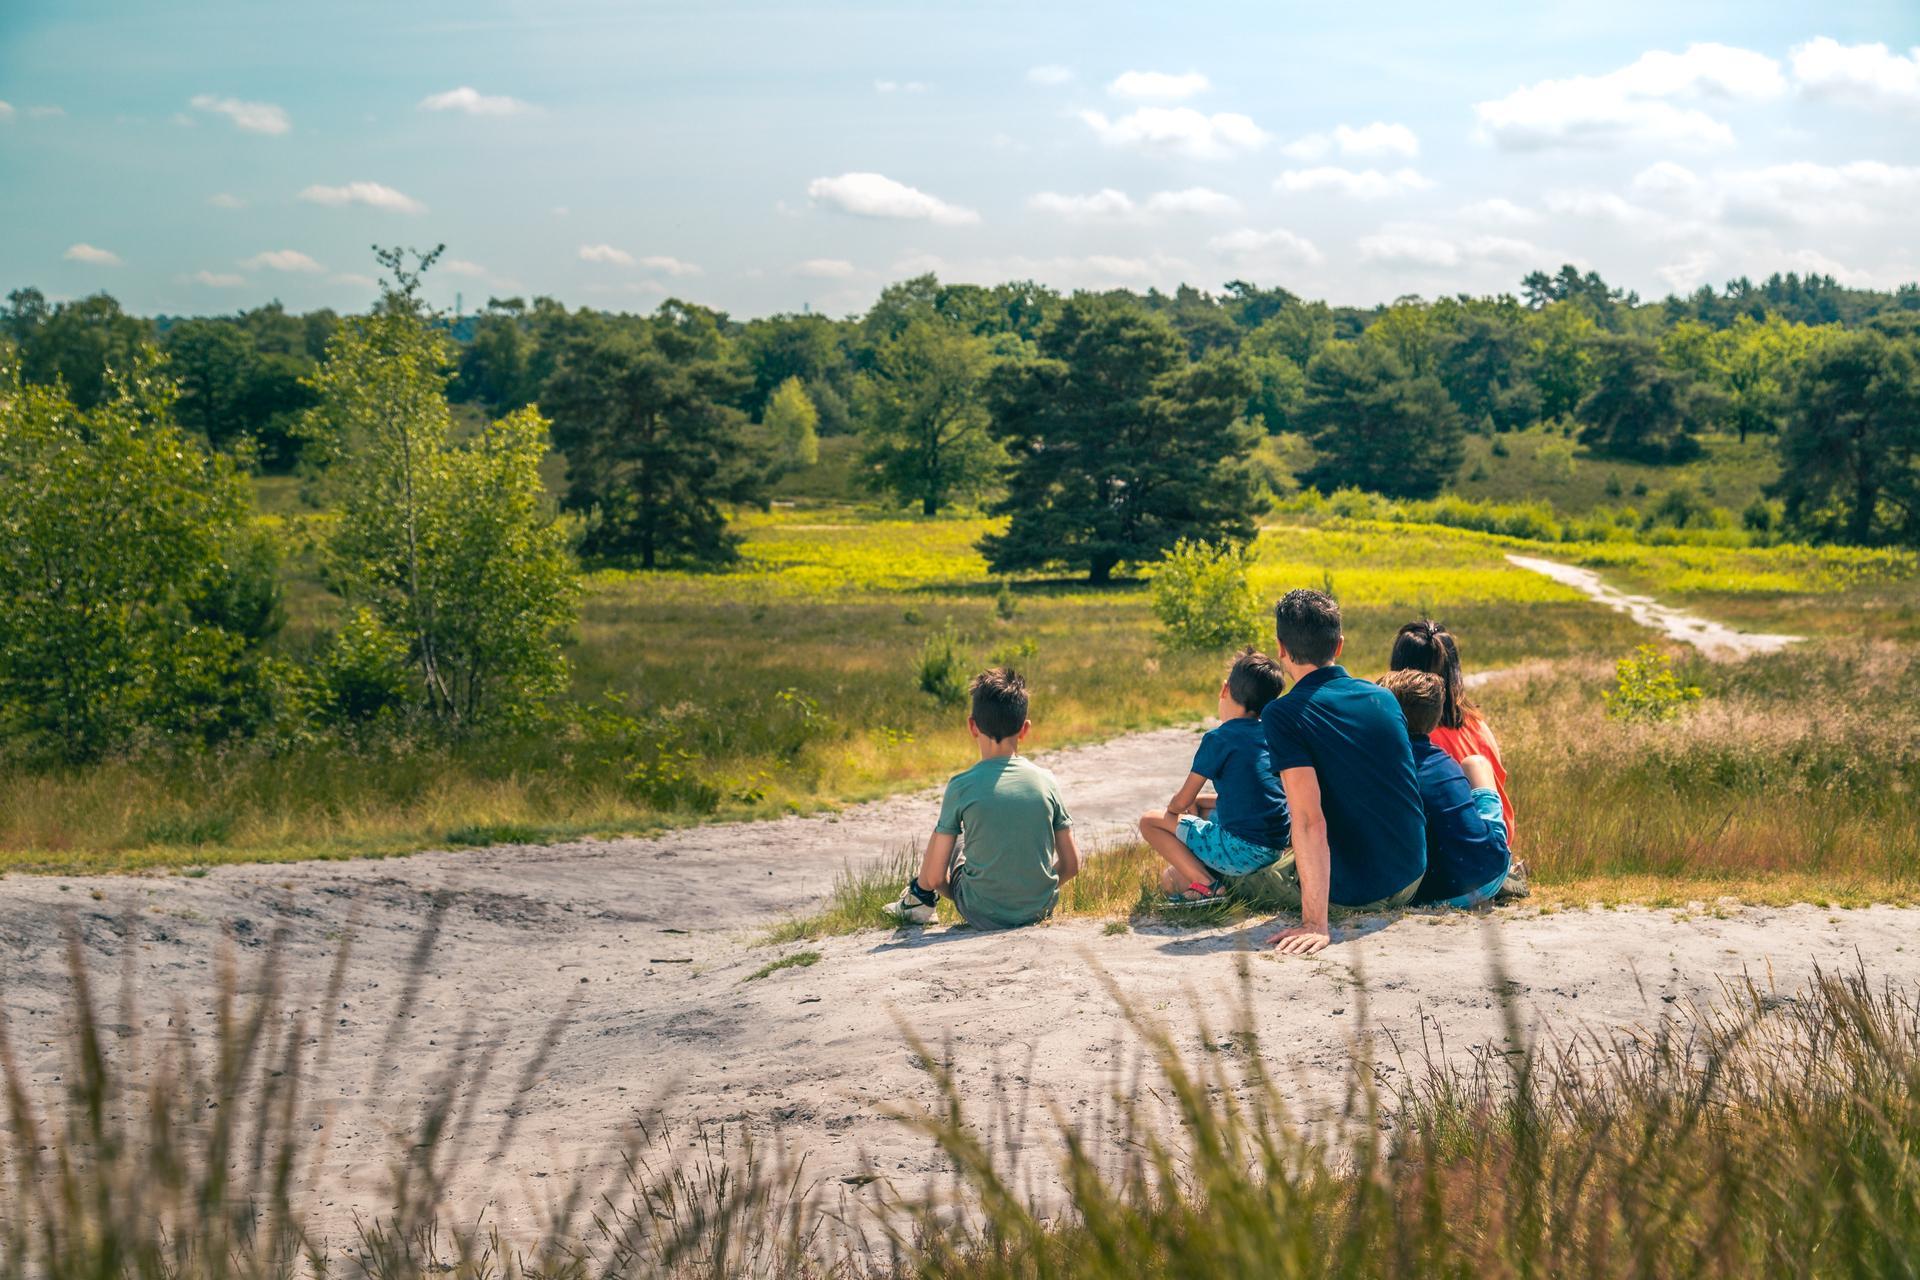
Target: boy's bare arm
(1183, 799)
(933, 863)
(1067, 853)
(1312, 861)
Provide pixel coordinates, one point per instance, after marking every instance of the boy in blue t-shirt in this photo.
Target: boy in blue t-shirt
(1243, 827)
(1467, 855)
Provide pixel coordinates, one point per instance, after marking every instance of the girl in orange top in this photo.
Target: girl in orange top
(1427, 646)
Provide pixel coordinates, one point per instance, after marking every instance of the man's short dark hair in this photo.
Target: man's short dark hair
(1307, 625)
(1422, 694)
(999, 702)
(1254, 680)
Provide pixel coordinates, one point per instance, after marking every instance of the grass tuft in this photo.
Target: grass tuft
(798, 960)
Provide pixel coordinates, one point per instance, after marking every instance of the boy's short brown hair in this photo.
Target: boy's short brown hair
(999, 702)
(1307, 625)
(1254, 680)
(1422, 696)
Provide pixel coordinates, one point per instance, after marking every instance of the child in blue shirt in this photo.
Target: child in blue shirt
(1467, 854)
(1242, 828)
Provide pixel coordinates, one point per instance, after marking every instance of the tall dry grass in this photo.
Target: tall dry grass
(1776, 1133)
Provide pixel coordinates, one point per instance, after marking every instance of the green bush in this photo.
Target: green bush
(1201, 596)
(943, 667)
(135, 592)
(1646, 688)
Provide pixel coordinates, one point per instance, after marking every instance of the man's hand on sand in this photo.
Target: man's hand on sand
(1299, 941)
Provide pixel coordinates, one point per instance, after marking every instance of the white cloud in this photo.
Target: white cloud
(283, 260)
(669, 266)
(1355, 184)
(1277, 243)
(873, 195)
(254, 117)
(45, 113)
(1408, 251)
(1376, 139)
(1633, 103)
(6, 110)
(1158, 86)
(606, 253)
(1867, 74)
(91, 255)
(825, 269)
(218, 279)
(1501, 249)
(355, 281)
(1090, 271)
(372, 194)
(226, 200)
(900, 86)
(1049, 74)
(1687, 273)
(1860, 192)
(1606, 206)
(1179, 129)
(1105, 203)
(1499, 210)
(1199, 200)
(474, 103)
(464, 267)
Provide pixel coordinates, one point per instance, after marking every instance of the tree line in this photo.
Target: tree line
(1104, 426)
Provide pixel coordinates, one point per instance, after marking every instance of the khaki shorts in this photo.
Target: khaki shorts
(1277, 888)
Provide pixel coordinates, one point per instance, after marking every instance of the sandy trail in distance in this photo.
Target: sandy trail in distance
(647, 945)
(1714, 639)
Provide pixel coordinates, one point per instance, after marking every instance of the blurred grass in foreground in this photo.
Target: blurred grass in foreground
(1777, 1132)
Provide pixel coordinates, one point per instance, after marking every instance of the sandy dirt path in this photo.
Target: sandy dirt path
(1714, 639)
(647, 945)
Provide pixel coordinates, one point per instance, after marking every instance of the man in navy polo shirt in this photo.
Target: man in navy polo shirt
(1341, 749)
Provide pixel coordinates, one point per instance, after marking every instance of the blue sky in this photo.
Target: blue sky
(200, 157)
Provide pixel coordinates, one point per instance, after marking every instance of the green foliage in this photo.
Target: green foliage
(644, 413)
(944, 667)
(1638, 409)
(1646, 688)
(448, 545)
(1376, 424)
(1122, 446)
(791, 424)
(1202, 598)
(82, 344)
(1560, 359)
(1850, 451)
(1006, 605)
(134, 591)
(364, 674)
(921, 410)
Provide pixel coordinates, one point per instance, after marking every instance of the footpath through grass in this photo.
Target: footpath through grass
(793, 682)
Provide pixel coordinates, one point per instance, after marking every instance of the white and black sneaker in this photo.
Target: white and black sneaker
(914, 906)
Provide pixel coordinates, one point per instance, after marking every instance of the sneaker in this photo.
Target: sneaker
(1516, 885)
(909, 908)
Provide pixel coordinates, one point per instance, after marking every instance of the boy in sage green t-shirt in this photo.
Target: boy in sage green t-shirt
(1003, 845)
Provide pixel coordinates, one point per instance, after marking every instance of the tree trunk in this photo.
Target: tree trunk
(929, 504)
(1100, 571)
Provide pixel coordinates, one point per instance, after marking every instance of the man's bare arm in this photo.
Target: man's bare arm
(1312, 862)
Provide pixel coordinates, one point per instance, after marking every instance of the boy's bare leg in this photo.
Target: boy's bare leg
(1161, 834)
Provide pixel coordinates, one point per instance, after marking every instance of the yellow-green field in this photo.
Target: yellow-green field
(791, 682)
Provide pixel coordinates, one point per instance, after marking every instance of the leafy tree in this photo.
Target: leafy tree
(790, 423)
(73, 342)
(1560, 359)
(235, 394)
(778, 348)
(644, 413)
(1121, 446)
(921, 409)
(1850, 448)
(449, 546)
(1479, 354)
(135, 592)
(1754, 362)
(1638, 407)
(1376, 426)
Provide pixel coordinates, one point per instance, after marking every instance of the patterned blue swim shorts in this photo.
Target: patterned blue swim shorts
(1221, 851)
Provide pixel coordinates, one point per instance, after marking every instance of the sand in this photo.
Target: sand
(646, 947)
(1713, 639)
